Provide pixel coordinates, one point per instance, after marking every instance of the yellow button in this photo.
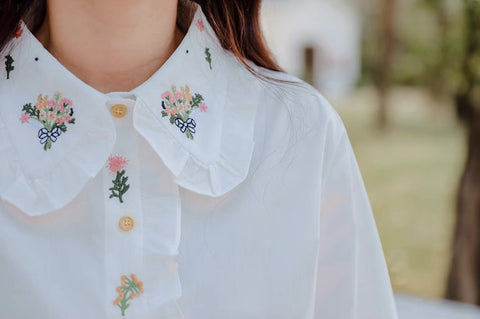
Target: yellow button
(126, 223)
(119, 110)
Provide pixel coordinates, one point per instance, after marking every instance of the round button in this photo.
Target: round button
(126, 223)
(119, 110)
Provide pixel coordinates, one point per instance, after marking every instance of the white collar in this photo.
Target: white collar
(212, 163)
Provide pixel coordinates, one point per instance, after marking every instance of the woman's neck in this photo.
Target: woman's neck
(112, 45)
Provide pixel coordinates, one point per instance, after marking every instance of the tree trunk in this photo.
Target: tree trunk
(464, 278)
(385, 60)
(439, 81)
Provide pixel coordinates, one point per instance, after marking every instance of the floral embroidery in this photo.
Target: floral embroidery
(179, 105)
(208, 57)
(9, 65)
(131, 288)
(116, 165)
(18, 32)
(199, 24)
(53, 114)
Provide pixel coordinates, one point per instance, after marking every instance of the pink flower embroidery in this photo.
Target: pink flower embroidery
(116, 163)
(51, 103)
(18, 32)
(171, 111)
(200, 25)
(203, 107)
(24, 118)
(166, 94)
(66, 101)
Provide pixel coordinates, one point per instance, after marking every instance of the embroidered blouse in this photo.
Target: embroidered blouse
(203, 193)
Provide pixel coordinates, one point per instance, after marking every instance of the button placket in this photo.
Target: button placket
(123, 218)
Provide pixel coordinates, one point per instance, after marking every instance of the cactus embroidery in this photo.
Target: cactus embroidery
(131, 288)
(54, 114)
(178, 104)
(9, 65)
(208, 57)
(116, 165)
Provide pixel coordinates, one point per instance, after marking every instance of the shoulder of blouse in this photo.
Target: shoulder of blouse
(309, 111)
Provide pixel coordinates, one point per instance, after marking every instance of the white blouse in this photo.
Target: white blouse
(203, 193)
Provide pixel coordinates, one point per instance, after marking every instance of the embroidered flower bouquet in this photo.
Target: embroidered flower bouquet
(178, 105)
(54, 114)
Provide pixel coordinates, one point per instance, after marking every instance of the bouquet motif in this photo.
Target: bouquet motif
(178, 104)
(54, 114)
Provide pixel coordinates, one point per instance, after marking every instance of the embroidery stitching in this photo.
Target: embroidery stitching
(208, 57)
(116, 165)
(179, 105)
(131, 288)
(9, 65)
(199, 24)
(18, 32)
(53, 114)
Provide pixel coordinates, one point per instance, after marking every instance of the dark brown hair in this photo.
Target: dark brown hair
(236, 24)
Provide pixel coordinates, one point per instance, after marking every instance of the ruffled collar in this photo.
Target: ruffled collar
(53, 126)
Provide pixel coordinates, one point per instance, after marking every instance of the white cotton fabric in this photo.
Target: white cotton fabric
(262, 215)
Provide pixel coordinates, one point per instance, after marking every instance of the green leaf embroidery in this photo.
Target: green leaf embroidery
(120, 186)
(9, 65)
(208, 57)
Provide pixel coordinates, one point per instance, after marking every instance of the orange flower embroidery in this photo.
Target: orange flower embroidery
(131, 288)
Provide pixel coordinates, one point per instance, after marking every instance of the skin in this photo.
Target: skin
(111, 45)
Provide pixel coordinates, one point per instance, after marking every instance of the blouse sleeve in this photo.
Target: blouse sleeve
(352, 277)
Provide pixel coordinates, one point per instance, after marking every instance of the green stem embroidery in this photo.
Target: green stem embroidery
(9, 65)
(120, 186)
(130, 289)
(189, 133)
(208, 57)
(47, 145)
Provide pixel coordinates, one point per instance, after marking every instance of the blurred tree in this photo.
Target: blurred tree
(464, 278)
(438, 79)
(386, 49)
(427, 46)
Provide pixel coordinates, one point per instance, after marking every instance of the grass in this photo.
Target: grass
(411, 173)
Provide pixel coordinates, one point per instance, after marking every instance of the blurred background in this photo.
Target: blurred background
(404, 75)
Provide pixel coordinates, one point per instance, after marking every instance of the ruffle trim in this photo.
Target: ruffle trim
(162, 229)
(59, 186)
(229, 168)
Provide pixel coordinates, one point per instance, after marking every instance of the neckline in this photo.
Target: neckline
(190, 35)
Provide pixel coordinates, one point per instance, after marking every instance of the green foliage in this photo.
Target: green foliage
(31, 111)
(428, 44)
(196, 100)
(9, 65)
(208, 57)
(120, 186)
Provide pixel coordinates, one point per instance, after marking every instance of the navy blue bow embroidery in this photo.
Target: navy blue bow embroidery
(183, 125)
(44, 135)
